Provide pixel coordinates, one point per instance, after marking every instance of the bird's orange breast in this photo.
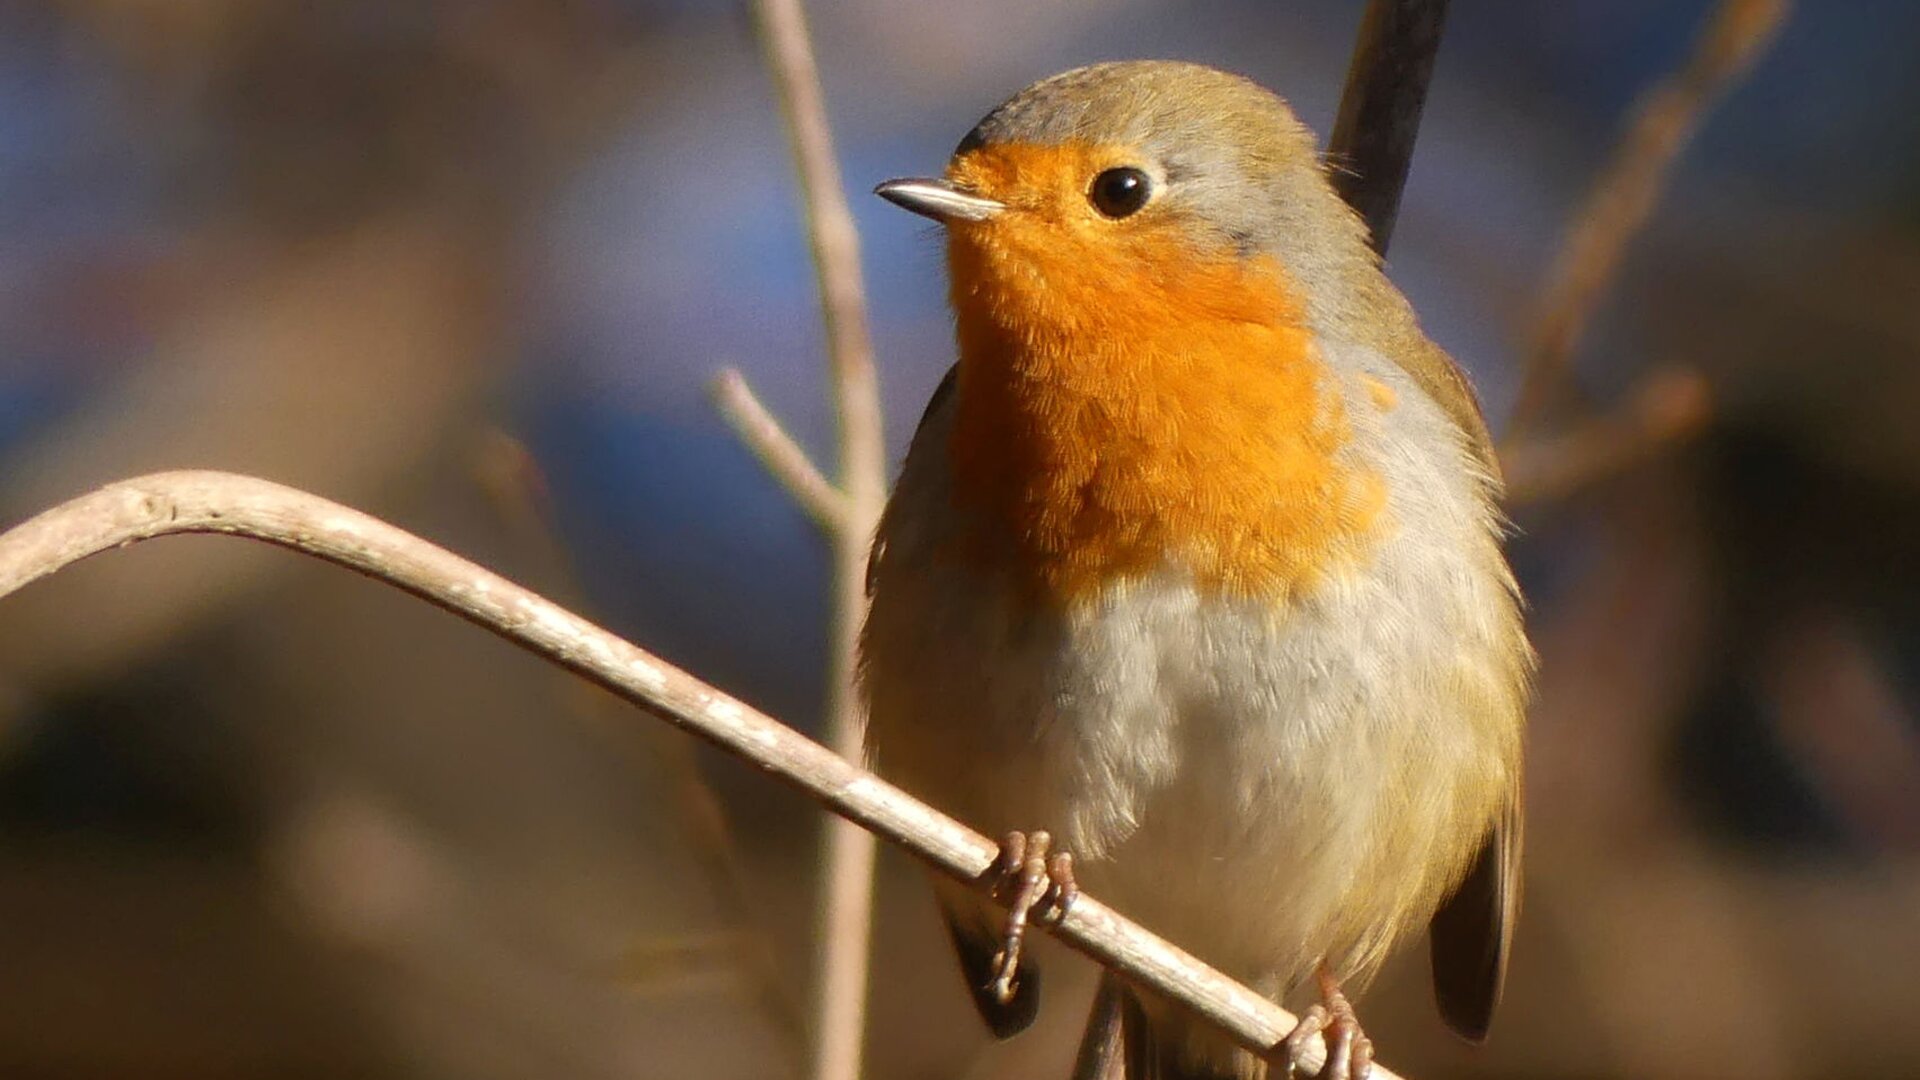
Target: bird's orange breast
(1126, 402)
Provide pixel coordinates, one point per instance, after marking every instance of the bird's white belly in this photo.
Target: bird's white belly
(1224, 771)
(1265, 781)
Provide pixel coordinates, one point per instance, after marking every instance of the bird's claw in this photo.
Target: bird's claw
(1349, 1051)
(1040, 884)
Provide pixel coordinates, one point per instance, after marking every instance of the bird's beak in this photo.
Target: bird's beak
(938, 200)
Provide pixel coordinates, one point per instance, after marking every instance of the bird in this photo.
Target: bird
(1192, 584)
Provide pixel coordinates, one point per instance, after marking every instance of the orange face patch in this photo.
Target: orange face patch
(1132, 395)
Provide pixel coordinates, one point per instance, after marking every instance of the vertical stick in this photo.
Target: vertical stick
(1372, 143)
(845, 918)
(1102, 1044)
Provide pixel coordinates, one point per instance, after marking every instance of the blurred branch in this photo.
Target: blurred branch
(1103, 1041)
(1667, 407)
(209, 502)
(514, 484)
(1371, 149)
(830, 232)
(778, 452)
(669, 965)
(1625, 193)
(845, 922)
(1839, 711)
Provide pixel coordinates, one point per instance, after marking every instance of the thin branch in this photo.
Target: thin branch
(1625, 194)
(1371, 149)
(845, 921)
(211, 502)
(830, 232)
(1841, 713)
(1668, 407)
(778, 451)
(513, 482)
(1102, 1042)
(677, 964)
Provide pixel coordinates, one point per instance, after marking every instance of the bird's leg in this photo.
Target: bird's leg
(1349, 1051)
(1040, 883)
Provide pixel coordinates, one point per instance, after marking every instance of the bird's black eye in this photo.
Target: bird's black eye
(1120, 192)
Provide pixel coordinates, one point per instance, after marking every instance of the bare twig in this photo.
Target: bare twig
(210, 502)
(835, 244)
(1101, 1042)
(513, 482)
(845, 920)
(672, 964)
(1667, 407)
(1625, 194)
(1841, 714)
(777, 451)
(1371, 148)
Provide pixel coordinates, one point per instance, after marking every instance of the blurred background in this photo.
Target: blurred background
(471, 264)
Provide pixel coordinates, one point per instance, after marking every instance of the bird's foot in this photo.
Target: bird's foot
(1349, 1051)
(1040, 884)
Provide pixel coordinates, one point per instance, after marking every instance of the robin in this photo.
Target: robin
(1194, 571)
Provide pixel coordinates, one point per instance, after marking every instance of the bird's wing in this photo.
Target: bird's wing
(1429, 366)
(1472, 932)
(940, 395)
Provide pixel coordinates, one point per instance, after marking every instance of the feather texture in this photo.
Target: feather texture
(1195, 562)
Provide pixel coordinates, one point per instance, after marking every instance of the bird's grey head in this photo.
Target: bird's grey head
(1110, 164)
(1216, 151)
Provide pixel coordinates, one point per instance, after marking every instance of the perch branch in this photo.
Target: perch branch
(778, 451)
(211, 502)
(845, 921)
(1625, 193)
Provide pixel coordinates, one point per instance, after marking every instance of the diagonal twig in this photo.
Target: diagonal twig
(778, 452)
(1666, 407)
(1624, 195)
(211, 502)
